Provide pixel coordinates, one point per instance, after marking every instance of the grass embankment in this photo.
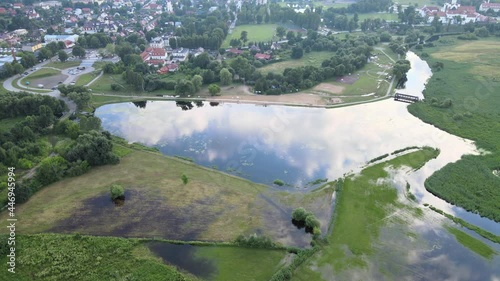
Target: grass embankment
(256, 33)
(39, 74)
(472, 243)
(74, 257)
(212, 206)
(362, 208)
(63, 65)
(470, 81)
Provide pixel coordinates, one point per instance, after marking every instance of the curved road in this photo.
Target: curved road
(7, 84)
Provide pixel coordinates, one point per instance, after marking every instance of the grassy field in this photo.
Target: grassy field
(63, 65)
(470, 80)
(472, 243)
(310, 59)
(39, 74)
(256, 33)
(362, 208)
(73, 257)
(103, 85)
(2, 89)
(212, 206)
(84, 79)
(241, 263)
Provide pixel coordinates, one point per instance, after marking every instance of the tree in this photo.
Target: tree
(213, 89)
(51, 169)
(299, 214)
(81, 99)
(244, 36)
(44, 54)
(226, 77)
(117, 192)
(90, 123)
(400, 68)
(78, 52)
(197, 81)
(63, 56)
(184, 88)
(18, 68)
(297, 52)
(184, 179)
(280, 31)
(94, 147)
(45, 117)
(311, 221)
(28, 60)
(290, 35)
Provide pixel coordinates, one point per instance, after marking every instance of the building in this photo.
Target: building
(180, 55)
(154, 56)
(487, 5)
(452, 12)
(31, 47)
(8, 59)
(56, 38)
(157, 42)
(262, 56)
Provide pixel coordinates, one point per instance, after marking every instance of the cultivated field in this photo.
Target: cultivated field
(256, 33)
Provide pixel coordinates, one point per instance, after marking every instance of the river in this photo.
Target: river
(296, 144)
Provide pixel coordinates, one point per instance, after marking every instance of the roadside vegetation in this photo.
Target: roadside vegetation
(461, 98)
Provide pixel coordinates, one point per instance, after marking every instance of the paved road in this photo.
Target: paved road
(55, 93)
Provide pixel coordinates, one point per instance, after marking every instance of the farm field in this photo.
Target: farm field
(470, 81)
(213, 206)
(256, 33)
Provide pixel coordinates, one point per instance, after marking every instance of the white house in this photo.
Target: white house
(487, 5)
(157, 42)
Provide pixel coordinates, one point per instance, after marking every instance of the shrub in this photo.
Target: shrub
(115, 87)
(279, 182)
(117, 191)
(312, 222)
(254, 241)
(184, 179)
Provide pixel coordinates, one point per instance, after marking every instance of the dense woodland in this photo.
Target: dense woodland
(54, 148)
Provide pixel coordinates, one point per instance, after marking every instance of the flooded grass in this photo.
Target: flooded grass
(364, 205)
(472, 243)
(212, 206)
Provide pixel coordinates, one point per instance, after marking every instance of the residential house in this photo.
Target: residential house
(157, 42)
(487, 5)
(180, 54)
(260, 56)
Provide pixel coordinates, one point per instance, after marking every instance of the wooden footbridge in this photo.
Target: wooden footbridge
(405, 98)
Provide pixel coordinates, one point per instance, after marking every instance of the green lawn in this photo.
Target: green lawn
(310, 59)
(71, 257)
(103, 85)
(2, 89)
(470, 80)
(84, 79)
(242, 263)
(63, 65)
(256, 33)
(39, 74)
(361, 210)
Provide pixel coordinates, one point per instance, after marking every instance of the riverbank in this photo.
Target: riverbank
(462, 98)
(212, 206)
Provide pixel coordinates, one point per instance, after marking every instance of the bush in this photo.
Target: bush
(184, 179)
(117, 192)
(312, 222)
(254, 241)
(115, 87)
(279, 182)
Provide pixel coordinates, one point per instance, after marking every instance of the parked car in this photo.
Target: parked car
(26, 73)
(60, 82)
